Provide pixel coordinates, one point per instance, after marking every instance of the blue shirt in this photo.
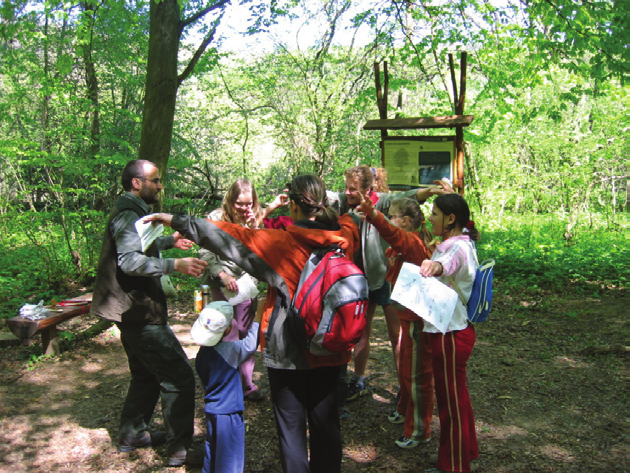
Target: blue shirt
(217, 368)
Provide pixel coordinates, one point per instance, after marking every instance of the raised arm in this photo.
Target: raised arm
(281, 200)
(408, 244)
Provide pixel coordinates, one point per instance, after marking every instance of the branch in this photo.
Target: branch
(202, 13)
(409, 38)
(580, 31)
(200, 50)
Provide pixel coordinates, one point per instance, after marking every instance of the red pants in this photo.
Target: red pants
(415, 375)
(458, 439)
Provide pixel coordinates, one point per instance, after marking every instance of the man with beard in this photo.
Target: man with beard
(128, 292)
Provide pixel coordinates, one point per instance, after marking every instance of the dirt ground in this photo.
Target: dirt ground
(543, 401)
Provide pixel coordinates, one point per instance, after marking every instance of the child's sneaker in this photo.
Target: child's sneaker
(357, 388)
(404, 442)
(396, 418)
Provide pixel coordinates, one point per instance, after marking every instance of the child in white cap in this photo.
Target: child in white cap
(217, 366)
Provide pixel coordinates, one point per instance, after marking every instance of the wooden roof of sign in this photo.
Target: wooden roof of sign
(448, 121)
(457, 121)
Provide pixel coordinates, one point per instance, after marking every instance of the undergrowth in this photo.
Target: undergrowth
(530, 252)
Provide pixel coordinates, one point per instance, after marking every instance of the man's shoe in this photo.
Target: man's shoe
(148, 439)
(188, 457)
(256, 396)
(357, 388)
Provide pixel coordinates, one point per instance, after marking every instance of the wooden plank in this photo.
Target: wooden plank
(448, 121)
(25, 328)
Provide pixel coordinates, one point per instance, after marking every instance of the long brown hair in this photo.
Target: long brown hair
(231, 196)
(380, 180)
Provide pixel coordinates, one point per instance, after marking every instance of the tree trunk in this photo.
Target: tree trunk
(91, 82)
(161, 84)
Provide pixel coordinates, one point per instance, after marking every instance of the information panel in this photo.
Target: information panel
(416, 161)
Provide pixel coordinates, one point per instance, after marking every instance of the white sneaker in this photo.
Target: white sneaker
(404, 442)
(396, 418)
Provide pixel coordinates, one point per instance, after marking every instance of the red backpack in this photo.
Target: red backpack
(328, 311)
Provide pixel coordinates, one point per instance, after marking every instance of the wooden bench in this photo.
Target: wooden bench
(25, 329)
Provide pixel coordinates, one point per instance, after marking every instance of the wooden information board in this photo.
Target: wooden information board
(416, 161)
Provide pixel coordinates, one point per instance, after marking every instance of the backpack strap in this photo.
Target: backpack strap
(451, 279)
(458, 290)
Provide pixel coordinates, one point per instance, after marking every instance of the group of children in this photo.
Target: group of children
(429, 361)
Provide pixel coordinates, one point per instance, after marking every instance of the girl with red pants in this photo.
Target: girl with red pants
(453, 259)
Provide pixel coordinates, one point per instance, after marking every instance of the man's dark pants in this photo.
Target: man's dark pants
(159, 368)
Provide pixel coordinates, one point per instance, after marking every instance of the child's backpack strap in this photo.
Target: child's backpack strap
(479, 303)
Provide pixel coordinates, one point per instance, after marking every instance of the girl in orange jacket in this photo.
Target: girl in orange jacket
(415, 373)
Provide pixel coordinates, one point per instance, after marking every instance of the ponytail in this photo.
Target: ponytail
(309, 193)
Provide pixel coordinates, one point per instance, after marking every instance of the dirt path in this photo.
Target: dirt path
(541, 403)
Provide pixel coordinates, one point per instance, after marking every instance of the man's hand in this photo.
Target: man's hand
(191, 266)
(442, 187)
(164, 219)
(181, 242)
(438, 188)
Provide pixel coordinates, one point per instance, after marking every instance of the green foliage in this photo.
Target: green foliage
(546, 146)
(532, 252)
(44, 254)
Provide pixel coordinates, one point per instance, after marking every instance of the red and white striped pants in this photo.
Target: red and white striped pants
(415, 375)
(458, 439)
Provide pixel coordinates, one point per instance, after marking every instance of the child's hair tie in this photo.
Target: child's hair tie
(469, 226)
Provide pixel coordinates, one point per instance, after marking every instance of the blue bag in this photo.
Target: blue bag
(479, 304)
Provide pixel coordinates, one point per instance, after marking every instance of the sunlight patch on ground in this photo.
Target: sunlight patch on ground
(567, 362)
(182, 332)
(27, 437)
(95, 366)
(378, 398)
(557, 453)
(502, 432)
(361, 454)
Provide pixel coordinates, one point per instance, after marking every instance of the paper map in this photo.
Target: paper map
(429, 298)
(148, 232)
(246, 290)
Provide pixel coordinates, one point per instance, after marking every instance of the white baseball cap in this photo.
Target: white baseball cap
(212, 323)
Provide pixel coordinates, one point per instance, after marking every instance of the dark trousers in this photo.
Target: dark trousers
(304, 398)
(159, 369)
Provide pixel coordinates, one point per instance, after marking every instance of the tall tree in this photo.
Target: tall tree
(163, 80)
